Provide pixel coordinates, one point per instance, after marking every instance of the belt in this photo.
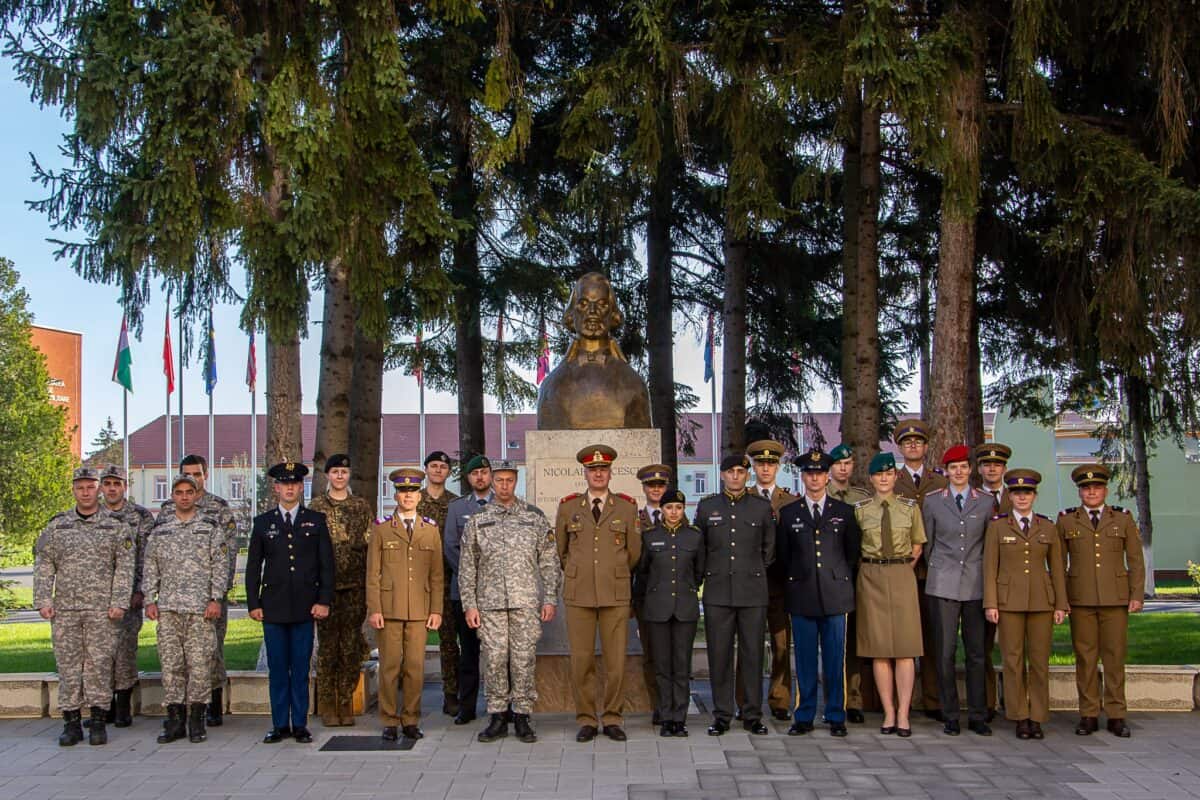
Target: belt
(886, 560)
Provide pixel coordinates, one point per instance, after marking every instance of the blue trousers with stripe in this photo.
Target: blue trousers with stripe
(289, 652)
(829, 635)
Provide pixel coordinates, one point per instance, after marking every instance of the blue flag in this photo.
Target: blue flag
(708, 350)
(210, 358)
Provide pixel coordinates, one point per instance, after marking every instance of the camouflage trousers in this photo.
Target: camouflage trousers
(341, 651)
(83, 650)
(448, 644)
(125, 671)
(185, 648)
(220, 625)
(509, 638)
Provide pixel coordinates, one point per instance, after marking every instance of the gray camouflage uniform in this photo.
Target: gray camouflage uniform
(84, 567)
(508, 570)
(186, 567)
(125, 671)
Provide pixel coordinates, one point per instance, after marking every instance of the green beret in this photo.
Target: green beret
(881, 462)
(840, 452)
(477, 462)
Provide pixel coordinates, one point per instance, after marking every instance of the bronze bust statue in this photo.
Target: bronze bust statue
(594, 386)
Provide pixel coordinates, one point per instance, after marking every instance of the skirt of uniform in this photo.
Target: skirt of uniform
(889, 614)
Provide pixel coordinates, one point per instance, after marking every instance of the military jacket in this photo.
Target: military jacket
(739, 544)
(457, 513)
(819, 561)
(141, 519)
(509, 559)
(347, 521)
(908, 529)
(404, 572)
(1023, 572)
(598, 557)
(1001, 506)
(850, 495)
(669, 573)
(1105, 564)
(289, 569)
(931, 481)
(84, 564)
(436, 509)
(218, 507)
(955, 550)
(186, 563)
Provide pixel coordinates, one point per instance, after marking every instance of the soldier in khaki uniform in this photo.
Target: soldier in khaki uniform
(435, 504)
(1106, 579)
(404, 600)
(599, 542)
(860, 680)
(654, 478)
(1025, 594)
(991, 460)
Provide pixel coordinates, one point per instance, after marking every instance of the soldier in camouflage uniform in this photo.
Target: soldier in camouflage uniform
(435, 502)
(197, 468)
(186, 577)
(125, 673)
(82, 581)
(860, 680)
(341, 647)
(508, 579)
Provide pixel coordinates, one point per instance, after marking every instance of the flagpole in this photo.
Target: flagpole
(210, 383)
(253, 454)
(167, 350)
(182, 418)
(420, 416)
(125, 433)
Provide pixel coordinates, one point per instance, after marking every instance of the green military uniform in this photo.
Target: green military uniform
(888, 625)
(435, 508)
(860, 681)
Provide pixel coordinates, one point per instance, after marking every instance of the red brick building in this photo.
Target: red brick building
(64, 361)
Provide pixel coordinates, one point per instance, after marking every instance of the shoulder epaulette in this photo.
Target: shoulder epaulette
(866, 501)
(757, 497)
(1122, 510)
(570, 497)
(784, 490)
(429, 521)
(998, 516)
(1043, 516)
(908, 501)
(1070, 510)
(382, 520)
(939, 471)
(625, 497)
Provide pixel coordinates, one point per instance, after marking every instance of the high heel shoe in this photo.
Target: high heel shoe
(887, 730)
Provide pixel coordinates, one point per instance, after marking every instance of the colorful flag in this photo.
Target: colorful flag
(251, 364)
(123, 364)
(418, 370)
(210, 358)
(543, 362)
(709, 338)
(168, 358)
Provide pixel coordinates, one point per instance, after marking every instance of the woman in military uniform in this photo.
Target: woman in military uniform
(667, 577)
(889, 614)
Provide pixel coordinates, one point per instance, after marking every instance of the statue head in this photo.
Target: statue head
(592, 314)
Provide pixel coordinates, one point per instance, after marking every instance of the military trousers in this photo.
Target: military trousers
(220, 626)
(1025, 639)
(612, 625)
(185, 648)
(828, 634)
(927, 673)
(948, 617)
(289, 649)
(649, 673)
(779, 640)
(468, 661)
(672, 642)
(448, 649)
(125, 671)
(84, 642)
(509, 637)
(401, 666)
(341, 650)
(727, 627)
(1099, 635)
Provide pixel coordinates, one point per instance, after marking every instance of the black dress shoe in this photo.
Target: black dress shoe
(681, 729)
(903, 733)
(756, 727)
(412, 732)
(781, 714)
(390, 733)
(586, 733)
(718, 728)
(980, 728)
(837, 729)
(1087, 726)
(855, 715)
(887, 730)
(951, 728)
(738, 715)
(1024, 729)
(667, 729)
(934, 714)
(1117, 727)
(464, 717)
(276, 735)
(302, 735)
(991, 715)
(800, 728)
(450, 707)
(1035, 730)
(615, 732)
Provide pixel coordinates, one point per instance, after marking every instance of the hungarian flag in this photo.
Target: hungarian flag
(251, 364)
(709, 338)
(168, 360)
(123, 364)
(543, 362)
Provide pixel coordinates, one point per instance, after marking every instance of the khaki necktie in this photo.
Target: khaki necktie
(596, 509)
(1095, 519)
(885, 531)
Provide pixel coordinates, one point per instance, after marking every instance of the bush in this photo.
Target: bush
(1194, 574)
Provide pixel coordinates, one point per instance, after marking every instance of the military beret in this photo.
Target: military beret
(992, 451)
(765, 450)
(910, 427)
(288, 472)
(477, 462)
(729, 462)
(1091, 474)
(113, 471)
(1022, 479)
(188, 479)
(438, 455)
(337, 460)
(673, 495)
(881, 462)
(505, 466)
(815, 460)
(655, 473)
(596, 455)
(959, 452)
(842, 451)
(406, 479)
(85, 474)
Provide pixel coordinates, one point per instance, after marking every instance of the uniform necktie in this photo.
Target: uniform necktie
(596, 509)
(959, 502)
(1025, 524)
(995, 498)
(916, 480)
(816, 514)
(885, 531)
(1095, 519)
(287, 518)
(408, 526)
(481, 503)
(656, 515)
(766, 493)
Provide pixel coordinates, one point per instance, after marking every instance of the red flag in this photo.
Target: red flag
(418, 371)
(543, 363)
(252, 364)
(168, 360)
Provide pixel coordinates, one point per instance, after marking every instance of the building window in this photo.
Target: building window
(237, 488)
(308, 489)
(1082, 450)
(701, 481)
(160, 489)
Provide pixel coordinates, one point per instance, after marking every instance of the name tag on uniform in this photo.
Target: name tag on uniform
(1008, 539)
(486, 524)
(271, 534)
(658, 544)
(715, 518)
(308, 524)
(390, 545)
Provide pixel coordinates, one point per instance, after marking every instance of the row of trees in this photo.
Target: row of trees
(861, 190)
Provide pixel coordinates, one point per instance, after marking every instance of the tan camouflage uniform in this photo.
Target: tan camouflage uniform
(187, 565)
(509, 569)
(125, 671)
(84, 567)
(447, 632)
(341, 647)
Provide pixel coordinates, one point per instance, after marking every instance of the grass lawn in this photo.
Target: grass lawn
(1176, 590)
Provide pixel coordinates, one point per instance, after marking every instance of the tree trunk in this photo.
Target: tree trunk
(1139, 411)
(974, 379)
(284, 441)
(366, 413)
(924, 318)
(660, 330)
(337, 369)
(733, 346)
(860, 314)
(956, 251)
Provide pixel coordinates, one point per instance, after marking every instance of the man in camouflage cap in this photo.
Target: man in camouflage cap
(82, 581)
(508, 579)
(435, 504)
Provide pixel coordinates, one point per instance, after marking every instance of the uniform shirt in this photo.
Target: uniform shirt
(669, 573)
(1105, 564)
(931, 481)
(908, 529)
(84, 563)
(218, 507)
(597, 557)
(739, 543)
(457, 514)
(849, 495)
(347, 521)
(1001, 499)
(186, 563)
(141, 520)
(404, 570)
(509, 559)
(1023, 571)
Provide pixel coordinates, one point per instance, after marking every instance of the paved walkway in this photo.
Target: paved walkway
(1161, 761)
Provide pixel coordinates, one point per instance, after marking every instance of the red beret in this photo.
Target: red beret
(959, 452)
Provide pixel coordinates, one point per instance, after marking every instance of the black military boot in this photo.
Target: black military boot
(216, 707)
(195, 724)
(523, 729)
(122, 708)
(110, 715)
(496, 729)
(175, 725)
(96, 732)
(72, 733)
